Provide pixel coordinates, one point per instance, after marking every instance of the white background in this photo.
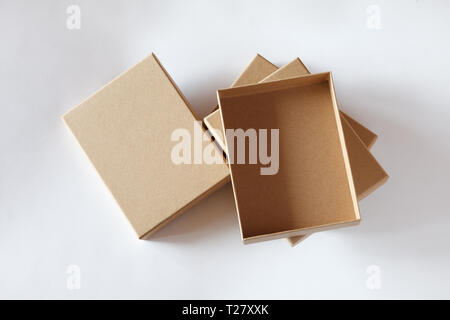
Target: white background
(55, 211)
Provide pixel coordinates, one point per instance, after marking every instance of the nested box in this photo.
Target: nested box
(367, 173)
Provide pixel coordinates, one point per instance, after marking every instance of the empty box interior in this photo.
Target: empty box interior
(313, 188)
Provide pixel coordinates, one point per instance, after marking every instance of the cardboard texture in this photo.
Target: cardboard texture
(367, 173)
(256, 71)
(296, 68)
(125, 129)
(366, 136)
(313, 189)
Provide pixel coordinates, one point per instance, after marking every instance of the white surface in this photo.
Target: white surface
(55, 211)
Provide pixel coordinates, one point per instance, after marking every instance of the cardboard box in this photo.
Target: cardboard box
(126, 130)
(311, 190)
(367, 173)
(296, 68)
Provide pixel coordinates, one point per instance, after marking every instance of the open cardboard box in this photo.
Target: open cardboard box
(312, 189)
(367, 173)
(126, 130)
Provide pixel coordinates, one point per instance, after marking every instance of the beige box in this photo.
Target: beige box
(313, 189)
(367, 172)
(125, 129)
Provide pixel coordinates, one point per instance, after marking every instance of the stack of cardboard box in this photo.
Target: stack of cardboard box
(297, 163)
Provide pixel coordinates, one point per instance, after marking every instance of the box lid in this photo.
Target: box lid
(126, 129)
